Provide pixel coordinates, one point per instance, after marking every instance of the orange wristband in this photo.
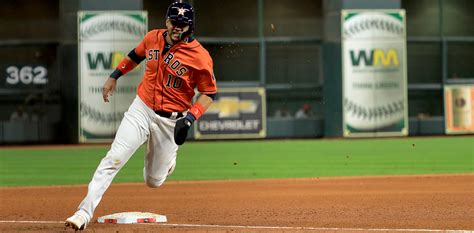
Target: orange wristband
(125, 66)
(197, 110)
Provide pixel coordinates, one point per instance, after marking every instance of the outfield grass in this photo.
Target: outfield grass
(251, 160)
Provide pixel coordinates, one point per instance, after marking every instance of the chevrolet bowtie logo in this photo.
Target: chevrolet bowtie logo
(232, 107)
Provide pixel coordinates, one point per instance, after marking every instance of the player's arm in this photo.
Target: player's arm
(203, 102)
(126, 65)
(207, 86)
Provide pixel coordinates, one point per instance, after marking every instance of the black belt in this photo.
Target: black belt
(168, 114)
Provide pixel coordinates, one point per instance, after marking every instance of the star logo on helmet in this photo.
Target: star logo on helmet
(181, 11)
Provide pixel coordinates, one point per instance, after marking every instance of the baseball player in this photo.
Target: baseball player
(162, 112)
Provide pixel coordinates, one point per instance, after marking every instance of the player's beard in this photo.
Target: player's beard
(175, 36)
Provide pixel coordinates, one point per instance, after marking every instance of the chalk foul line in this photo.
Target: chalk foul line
(258, 227)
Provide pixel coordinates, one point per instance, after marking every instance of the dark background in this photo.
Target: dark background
(277, 44)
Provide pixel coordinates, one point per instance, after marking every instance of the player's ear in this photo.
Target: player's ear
(168, 23)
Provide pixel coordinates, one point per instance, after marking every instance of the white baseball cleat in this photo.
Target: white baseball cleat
(78, 221)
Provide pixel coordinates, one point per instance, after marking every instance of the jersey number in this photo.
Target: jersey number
(174, 81)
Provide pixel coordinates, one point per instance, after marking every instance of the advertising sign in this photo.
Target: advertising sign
(236, 113)
(459, 109)
(374, 73)
(105, 38)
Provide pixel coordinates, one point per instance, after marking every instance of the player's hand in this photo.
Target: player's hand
(182, 127)
(109, 88)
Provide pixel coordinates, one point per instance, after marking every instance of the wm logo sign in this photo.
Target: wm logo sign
(376, 57)
(106, 61)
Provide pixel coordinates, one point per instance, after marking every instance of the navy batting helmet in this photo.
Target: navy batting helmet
(181, 13)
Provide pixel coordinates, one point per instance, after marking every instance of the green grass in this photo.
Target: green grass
(251, 160)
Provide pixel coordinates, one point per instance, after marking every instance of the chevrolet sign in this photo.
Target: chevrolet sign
(237, 113)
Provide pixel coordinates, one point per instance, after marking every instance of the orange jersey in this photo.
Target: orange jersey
(170, 79)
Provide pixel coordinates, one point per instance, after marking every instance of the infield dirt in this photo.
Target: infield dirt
(399, 202)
